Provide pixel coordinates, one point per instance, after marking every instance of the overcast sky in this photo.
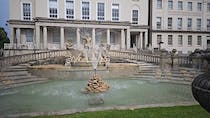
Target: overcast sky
(4, 14)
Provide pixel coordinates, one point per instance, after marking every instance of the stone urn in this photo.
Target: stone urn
(201, 88)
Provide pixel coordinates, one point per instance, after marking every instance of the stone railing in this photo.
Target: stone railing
(150, 58)
(18, 59)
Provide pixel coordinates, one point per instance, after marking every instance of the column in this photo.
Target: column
(78, 37)
(140, 40)
(146, 40)
(37, 37)
(108, 36)
(18, 37)
(128, 39)
(122, 39)
(94, 36)
(45, 37)
(12, 36)
(62, 37)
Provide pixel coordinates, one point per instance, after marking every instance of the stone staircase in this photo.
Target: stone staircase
(15, 76)
(151, 71)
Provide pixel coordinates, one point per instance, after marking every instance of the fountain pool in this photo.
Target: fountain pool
(58, 95)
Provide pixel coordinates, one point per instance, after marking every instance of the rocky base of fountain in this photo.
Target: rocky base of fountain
(96, 85)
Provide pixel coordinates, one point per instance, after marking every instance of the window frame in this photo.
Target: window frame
(189, 8)
(179, 23)
(135, 22)
(180, 40)
(199, 7)
(208, 24)
(89, 16)
(198, 26)
(29, 31)
(170, 4)
(170, 24)
(208, 7)
(180, 3)
(114, 18)
(159, 2)
(97, 8)
(199, 40)
(56, 8)
(31, 12)
(160, 23)
(189, 40)
(189, 19)
(73, 10)
(170, 40)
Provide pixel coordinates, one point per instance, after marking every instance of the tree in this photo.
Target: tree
(3, 38)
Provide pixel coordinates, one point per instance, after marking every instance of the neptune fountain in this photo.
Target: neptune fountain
(87, 55)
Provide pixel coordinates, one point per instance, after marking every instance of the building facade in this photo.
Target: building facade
(180, 24)
(51, 24)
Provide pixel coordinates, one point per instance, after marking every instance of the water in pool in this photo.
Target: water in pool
(66, 94)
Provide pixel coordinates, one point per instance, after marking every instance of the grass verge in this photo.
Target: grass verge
(162, 112)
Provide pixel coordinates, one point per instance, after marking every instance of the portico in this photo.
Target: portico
(54, 35)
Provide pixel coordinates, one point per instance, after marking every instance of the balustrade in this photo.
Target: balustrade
(18, 59)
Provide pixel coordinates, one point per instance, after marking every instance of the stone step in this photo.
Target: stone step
(19, 77)
(21, 84)
(17, 67)
(13, 69)
(29, 80)
(17, 73)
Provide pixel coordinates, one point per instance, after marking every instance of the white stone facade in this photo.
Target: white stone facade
(50, 24)
(181, 20)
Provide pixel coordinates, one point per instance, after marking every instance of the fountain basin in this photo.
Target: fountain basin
(60, 95)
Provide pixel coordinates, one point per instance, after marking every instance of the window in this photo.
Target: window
(159, 4)
(26, 11)
(189, 40)
(180, 5)
(189, 6)
(135, 16)
(115, 12)
(101, 12)
(170, 40)
(56, 36)
(53, 9)
(180, 37)
(85, 10)
(159, 39)
(199, 6)
(70, 9)
(208, 7)
(158, 22)
(208, 24)
(189, 23)
(198, 24)
(170, 4)
(199, 40)
(179, 23)
(170, 23)
(29, 35)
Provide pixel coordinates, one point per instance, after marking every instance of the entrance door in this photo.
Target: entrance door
(133, 41)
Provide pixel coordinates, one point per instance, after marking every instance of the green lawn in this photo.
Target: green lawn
(165, 112)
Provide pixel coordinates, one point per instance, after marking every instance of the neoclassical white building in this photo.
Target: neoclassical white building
(180, 24)
(50, 24)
